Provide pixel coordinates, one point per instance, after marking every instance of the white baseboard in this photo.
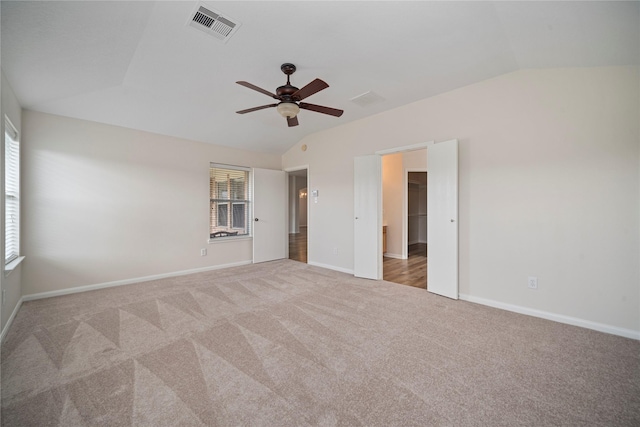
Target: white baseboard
(601, 327)
(390, 255)
(10, 320)
(331, 267)
(86, 288)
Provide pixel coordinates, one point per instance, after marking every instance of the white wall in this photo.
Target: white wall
(11, 284)
(103, 203)
(549, 187)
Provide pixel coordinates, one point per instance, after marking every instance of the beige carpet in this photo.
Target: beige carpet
(286, 344)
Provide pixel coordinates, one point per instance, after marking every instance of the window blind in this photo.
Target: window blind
(12, 192)
(230, 201)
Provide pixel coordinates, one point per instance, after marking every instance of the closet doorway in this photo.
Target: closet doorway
(404, 199)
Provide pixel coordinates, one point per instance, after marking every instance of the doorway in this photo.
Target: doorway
(404, 200)
(298, 215)
(442, 215)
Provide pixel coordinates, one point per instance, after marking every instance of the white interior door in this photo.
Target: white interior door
(269, 214)
(442, 219)
(367, 257)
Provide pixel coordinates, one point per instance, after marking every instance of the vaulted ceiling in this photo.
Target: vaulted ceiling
(140, 64)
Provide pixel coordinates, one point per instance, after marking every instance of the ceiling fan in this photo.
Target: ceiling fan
(290, 97)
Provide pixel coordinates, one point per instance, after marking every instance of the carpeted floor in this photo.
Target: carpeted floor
(287, 344)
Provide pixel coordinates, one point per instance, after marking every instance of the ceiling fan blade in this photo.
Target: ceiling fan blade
(320, 109)
(256, 88)
(292, 121)
(262, 107)
(314, 87)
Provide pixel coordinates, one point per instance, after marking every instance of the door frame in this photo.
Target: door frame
(405, 196)
(405, 209)
(295, 169)
(412, 148)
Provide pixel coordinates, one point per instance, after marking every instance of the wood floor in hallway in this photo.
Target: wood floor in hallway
(412, 271)
(298, 245)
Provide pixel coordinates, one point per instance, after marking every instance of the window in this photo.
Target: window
(230, 196)
(239, 216)
(11, 192)
(222, 214)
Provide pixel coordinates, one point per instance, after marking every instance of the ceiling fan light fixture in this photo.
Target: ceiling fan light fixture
(288, 109)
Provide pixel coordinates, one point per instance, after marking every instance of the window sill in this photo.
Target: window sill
(8, 268)
(229, 239)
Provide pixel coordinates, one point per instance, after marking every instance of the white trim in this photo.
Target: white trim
(331, 267)
(413, 147)
(13, 132)
(9, 267)
(601, 327)
(10, 320)
(86, 288)
(233, 167)
(390, 255)
(217, 240)
(297, 168)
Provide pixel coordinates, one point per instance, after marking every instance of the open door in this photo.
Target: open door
(442, 218)
(367, 257)
(269, 215)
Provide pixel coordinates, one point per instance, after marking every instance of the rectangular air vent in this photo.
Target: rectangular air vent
(213, 23)
(367, 98)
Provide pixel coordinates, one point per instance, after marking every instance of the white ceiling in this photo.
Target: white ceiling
(138, 64)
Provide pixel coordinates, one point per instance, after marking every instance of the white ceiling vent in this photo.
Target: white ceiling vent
(213, 23)
(366, 99)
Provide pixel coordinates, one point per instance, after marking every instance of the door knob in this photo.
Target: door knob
(256, 220)
(453, 220)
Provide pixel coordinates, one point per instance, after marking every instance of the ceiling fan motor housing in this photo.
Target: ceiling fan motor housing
(285, 92)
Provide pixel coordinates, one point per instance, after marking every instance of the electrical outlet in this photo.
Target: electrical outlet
(203, 252)
(532, 283)
(335, 251)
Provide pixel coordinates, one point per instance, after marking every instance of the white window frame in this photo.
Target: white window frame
(230, 202)
(11, 192)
